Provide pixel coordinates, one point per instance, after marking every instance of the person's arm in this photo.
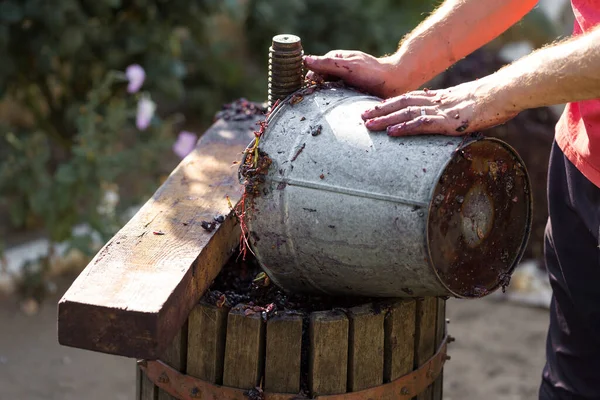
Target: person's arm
(454, 30)
(565, 72)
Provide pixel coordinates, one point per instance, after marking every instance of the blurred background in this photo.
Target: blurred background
(99, 101)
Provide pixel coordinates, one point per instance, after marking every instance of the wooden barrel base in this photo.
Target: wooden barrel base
(307, 353)
(186, 387)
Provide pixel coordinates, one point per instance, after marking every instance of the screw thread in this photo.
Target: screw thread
(285, 67)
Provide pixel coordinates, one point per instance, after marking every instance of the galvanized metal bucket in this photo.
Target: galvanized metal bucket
(343, 210)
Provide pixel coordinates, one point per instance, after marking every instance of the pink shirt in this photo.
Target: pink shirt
(578, 130)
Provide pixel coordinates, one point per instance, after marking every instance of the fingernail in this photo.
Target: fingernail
(309, 60)
(369, 123)
(394, 129)
(365, 114)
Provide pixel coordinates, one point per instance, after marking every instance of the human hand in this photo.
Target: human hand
(470, 107)
(374, 75)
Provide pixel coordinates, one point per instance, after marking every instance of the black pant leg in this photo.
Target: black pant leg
(572, 257)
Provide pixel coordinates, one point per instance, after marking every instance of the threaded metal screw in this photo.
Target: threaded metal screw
(285, 67)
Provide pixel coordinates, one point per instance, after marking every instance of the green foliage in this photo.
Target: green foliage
(374, 27)
(62, 47)
(61, 69)
(42, 192)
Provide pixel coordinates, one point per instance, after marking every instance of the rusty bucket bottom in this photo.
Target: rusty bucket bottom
(479, 218)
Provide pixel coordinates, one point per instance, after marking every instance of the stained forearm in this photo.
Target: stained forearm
(453, 31)
(566, 72)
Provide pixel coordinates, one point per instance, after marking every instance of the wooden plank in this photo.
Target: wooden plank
(366, 345)
(283, 353)
(425, 337)
(328, 359)
(399, 339)
(148, 391)
(138, 290)
(244, 350)
(207, 327)
(438, 385)
(175, 357)
(138, 383)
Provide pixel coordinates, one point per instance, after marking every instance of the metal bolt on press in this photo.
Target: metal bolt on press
(285, 67)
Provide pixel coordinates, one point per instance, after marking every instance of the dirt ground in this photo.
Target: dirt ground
(33, 366)
(498, 355)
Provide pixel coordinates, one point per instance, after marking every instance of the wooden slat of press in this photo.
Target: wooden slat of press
(328, 359)
(438, 385)
(244, 350)
(138, 383)
(283, 354)
(425, 337)
(139, 289)
(366, 345)
(175, 356)
(207, 327)
(147, 389)
(399, 339)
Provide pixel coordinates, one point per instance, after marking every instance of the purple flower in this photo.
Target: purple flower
(135, 75)
(145, 112)
(185, 143)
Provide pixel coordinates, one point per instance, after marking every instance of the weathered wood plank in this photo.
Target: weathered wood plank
(138, 383)
(399, 339)
(366, 345)
(139, 289)
(148, 391)
(425, 337)
(438, 385)
(283, 354)
(328, 359)
(244, 350)
(207, 326)
(175, 357)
